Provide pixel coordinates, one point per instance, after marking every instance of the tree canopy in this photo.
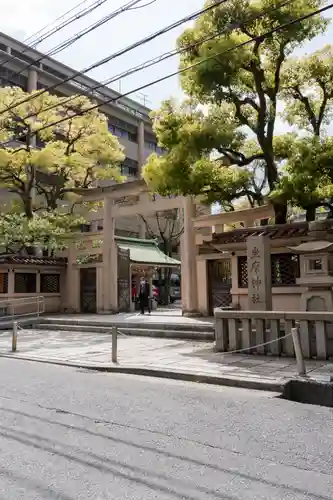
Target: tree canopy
(43, 168)
(227, 124)
(48, 231)
(68, 156)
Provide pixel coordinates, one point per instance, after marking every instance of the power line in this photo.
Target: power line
(31, 39)
(167, 55)
(145, 5)
(81, 14)
(70, 41)
(183, 70)
(57, 29)
(121, 52)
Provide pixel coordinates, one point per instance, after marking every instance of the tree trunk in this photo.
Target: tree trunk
(27, 203)
(280, 210)
(310, 213)
(52, 200)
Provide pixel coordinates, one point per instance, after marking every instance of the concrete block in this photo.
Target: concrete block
(309, 391)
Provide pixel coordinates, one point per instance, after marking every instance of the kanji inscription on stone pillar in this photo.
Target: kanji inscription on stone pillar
(259, 273)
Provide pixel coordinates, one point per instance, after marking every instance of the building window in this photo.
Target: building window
(154, 147)
(8, 78)
(151, 145)
(118, 123)
(96, 225)
(41, 86)
(50, 283)
(22, 57)
(25, 283)
(284, 270)
(85, 228)
(128, 171)
(53, 72)
(132, 137)
(119, 128)
(129, 167)
(3, 282)
(120, 133)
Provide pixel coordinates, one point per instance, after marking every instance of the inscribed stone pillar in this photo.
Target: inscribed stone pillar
(110, 260)
(188, 260)
(259, 273)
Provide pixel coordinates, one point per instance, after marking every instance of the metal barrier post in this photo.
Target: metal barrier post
(14, 336)
(298, 351)
(114, 344)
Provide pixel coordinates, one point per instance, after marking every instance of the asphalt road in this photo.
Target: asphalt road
(68, 434)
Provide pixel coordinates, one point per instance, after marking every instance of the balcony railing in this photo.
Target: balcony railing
(244, 330)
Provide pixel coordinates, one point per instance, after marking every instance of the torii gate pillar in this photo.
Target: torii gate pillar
(189, 278)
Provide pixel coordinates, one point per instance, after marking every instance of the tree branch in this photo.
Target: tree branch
(306, 102)
(177, 235)
(259, 79)
(147, 226)
(239, 158)
(238, 105)
(322, 108)
(162, 234)
(273, 95)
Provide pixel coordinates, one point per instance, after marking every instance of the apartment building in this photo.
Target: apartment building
(128, 119)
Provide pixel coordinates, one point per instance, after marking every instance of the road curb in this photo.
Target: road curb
(271, 386)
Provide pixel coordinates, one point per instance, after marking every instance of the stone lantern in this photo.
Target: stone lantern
(316, 274)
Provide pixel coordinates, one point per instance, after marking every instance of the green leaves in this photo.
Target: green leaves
(49, 231)
(308, 91)
(74, 154)
(216, 139)
(308, 178)
(77, 152)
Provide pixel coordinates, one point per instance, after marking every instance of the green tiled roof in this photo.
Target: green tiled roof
(145, 252)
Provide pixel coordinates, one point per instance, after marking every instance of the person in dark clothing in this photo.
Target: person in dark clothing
(144, 296)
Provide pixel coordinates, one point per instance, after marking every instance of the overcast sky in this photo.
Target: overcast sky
(22, 18)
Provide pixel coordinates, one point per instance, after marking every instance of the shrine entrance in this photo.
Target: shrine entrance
(88, 290)
(219, 279)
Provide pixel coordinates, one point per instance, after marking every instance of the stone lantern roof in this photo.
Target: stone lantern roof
(312, 247)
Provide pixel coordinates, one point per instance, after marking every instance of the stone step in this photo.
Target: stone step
(144, 325)
(130, 331)
(7, 324)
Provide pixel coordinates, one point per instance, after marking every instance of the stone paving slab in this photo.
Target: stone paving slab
(94, 350)
(161, 316)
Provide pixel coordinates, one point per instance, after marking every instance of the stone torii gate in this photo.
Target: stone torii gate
(144, 204)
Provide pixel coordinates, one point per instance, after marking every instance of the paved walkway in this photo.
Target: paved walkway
(198, 358)
(162, 316)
